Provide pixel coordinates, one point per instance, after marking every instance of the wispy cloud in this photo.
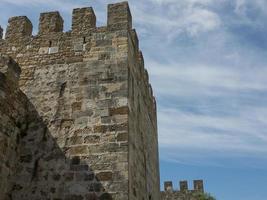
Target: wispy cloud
(207, 63)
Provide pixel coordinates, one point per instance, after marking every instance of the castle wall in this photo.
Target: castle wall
(143, 144)
(184, 193)
(13, 109)
(85, 136)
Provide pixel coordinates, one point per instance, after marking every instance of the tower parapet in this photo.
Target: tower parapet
(183, 186)
(82, 43)
(168, 186)
(91, 92)
(184, 192)
(83, 20)
(198, 185)
(119, 16)
(50, 22)
(18, 28)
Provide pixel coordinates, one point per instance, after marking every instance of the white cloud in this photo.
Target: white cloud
(243, 6)
(202, 74)
(203, 139)
(178, 79)
(171, 18)
(200, 20)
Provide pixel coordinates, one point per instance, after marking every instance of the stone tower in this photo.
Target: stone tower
(80, 122)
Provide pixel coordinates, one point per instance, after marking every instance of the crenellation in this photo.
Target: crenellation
(183, 186)
(198, 185)
(168, 186)
(50, 22)
(83, 20)
(85, 137)
(184, 192)
(119, 16)
(18, 28)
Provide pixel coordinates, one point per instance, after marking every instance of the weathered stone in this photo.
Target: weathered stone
(84, 177)
(68, 176)
(122, 137)
(75, 140)
(79, 150)
(53, 50)
(74, 197)
(50, 22)
(18, 27)
(83, 20)
(26, 158)
(80, 122)
(170, 194)
(105, 196)
(79, 167)
(75, 160)
(92, 139)
(119, 111)
(56, 177)
(91, 196)
(104, 176)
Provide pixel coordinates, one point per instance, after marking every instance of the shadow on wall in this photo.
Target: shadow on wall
(41, 168)
(45, 171)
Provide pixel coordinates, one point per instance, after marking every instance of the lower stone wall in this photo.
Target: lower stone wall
(177, 195)
(51, 159)
(13, 109)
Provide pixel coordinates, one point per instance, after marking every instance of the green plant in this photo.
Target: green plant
(204, 196)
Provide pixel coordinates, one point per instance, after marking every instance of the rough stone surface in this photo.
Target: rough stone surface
(80, 122)
(1, 33)
(183, 193)
(18, 28)
(50, 22)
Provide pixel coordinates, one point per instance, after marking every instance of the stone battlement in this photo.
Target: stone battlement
(184, 193)
(83, 22)
(84, 42)
(80, 122)
(198, 186)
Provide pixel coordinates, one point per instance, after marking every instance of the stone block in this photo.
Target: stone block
(198, 185)
(18, 27)
(92, 139)
(50, 22)
(183, 186)
(119, 16)
(104, 176)
(119, 111)
(168, 186)
(122, 137)
(77, 150)
(52, 50)
(83, 20)
(9, 68)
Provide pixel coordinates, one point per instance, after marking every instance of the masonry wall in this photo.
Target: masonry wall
(84, 138)
(143, 143)
(13, 109)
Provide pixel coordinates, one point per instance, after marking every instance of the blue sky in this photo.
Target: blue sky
(207, 65)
